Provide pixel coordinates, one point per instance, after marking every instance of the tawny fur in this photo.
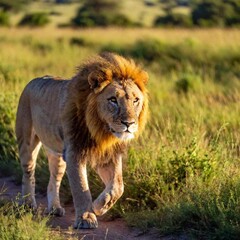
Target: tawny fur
(78, 118)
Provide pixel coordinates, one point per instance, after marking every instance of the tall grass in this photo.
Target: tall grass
(182, 175)
(18, 223)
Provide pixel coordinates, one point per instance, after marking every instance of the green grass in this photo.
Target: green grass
(18, 223)
(182, 175)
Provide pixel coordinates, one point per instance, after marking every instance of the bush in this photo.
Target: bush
(187, 83)
(201, 213)
(92, 20)
(122, 21)
(4, 19)
(173, 19)
(80, 42)
(211, 13)
(13, 5)
(100, 13)
(149, 3)
(149, 49)
(38, 19)
(87, 19)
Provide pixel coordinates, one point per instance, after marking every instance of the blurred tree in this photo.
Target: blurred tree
(64, 1)
(169, 5)
(176, 2)
(232, 12)
(100, 13)
(216, 12)
(149, 3)
(94, 12)
(183, 2)
(208, 13)
(173, 20)
(36, 19)
(4, 18)
(13, 5)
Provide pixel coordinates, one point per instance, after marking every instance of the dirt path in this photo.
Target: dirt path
(109, 230)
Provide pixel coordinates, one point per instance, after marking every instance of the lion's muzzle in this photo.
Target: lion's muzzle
(124, 130)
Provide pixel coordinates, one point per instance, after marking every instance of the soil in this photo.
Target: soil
(109, 230)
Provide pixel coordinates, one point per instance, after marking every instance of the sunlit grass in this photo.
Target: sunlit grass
(213, 39)
(18, 223)
(190, 147)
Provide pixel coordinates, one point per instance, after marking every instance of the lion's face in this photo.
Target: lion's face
(119, 107)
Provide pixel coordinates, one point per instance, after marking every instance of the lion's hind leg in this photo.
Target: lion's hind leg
(29, 146)
(57, 167)
(28, 151)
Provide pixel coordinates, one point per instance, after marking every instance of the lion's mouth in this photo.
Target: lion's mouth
(124, 135)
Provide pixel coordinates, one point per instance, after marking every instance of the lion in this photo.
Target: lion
(90, 118)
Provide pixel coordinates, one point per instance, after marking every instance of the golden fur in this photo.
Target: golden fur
(89, 118)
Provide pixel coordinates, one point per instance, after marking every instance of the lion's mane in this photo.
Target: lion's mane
(81, 104)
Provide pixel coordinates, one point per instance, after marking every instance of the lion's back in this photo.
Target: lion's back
(40, 107)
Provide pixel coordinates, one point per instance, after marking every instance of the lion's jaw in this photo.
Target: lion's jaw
(123, 132)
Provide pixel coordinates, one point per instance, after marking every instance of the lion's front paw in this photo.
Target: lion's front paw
(105, 201)
(88, 220)
(102, 204)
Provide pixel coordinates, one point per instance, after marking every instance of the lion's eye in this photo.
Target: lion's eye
(136, 100)
(112, 100)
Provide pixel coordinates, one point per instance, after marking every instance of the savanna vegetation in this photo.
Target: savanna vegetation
(182, 176)
(127, 13)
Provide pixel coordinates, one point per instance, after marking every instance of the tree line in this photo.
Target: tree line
(202, 13)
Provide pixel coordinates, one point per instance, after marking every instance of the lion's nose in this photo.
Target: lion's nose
(128, 123)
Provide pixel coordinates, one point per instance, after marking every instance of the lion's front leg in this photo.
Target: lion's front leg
(111, 175)
(77, 175)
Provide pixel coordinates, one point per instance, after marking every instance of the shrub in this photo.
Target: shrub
(13, 5)
(174, 171)
(183, 85)
(81, 42)
(149, 49)
(100, 13)
(187, 83)
(87, 19)
(210, 13)
(38, 19)
(200, 213)
(4, 19)
(122, 21)
(149, 3)
(174, 19)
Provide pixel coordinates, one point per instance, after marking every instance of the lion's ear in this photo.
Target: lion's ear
(98, 81)
(141, 80)
(145, 77)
